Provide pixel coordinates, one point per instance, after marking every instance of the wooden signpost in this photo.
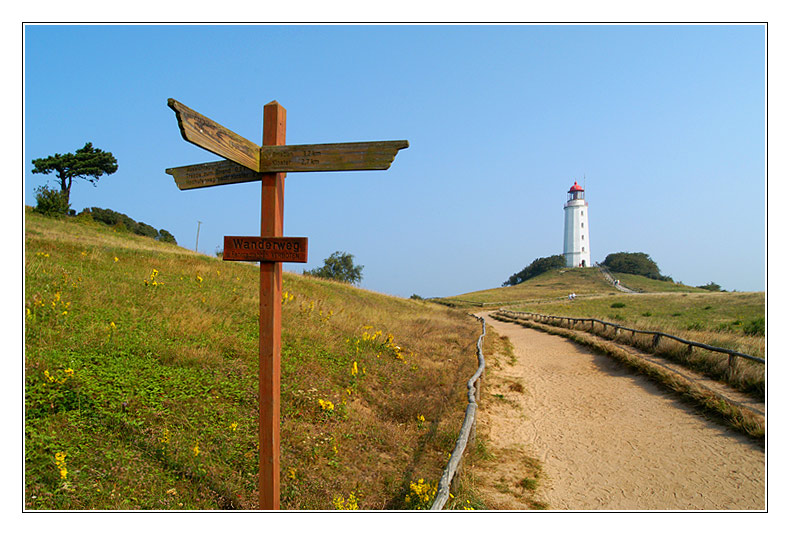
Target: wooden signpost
(246, 162)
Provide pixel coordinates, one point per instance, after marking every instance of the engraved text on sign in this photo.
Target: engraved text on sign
(262, 249)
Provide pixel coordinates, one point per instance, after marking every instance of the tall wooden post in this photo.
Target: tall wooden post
(272, 190)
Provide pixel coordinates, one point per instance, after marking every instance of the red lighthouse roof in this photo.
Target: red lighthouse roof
(575, 187)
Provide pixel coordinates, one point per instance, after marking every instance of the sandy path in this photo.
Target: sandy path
(608, 439)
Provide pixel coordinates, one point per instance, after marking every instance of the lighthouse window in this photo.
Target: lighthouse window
(582, 212)
(582, 236)
(582, 225)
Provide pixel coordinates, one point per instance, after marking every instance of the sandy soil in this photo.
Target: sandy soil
(607, 439)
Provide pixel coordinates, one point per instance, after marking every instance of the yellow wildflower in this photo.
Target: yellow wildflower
(60, 462)
(351, 504)
(354, 369)
(421, 494)
(233, 426)
(115, 258)
(196, 450)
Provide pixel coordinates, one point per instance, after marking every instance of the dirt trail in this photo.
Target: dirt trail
(606, 438)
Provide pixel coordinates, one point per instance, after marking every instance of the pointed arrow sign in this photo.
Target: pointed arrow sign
(360, 156)
(204, 175)
(207, 134)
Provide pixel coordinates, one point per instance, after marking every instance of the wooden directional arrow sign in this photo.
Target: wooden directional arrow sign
(214, 137)
(251, 159)
(211, 174)
(366, 155)
(265, 249)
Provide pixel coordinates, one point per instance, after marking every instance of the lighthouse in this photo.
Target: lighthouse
(576, 246)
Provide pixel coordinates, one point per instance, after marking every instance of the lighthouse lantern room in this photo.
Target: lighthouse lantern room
(576, 246)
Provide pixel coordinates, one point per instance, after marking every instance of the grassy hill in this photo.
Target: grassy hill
(141, 380)
(558, 283)
(733, 320)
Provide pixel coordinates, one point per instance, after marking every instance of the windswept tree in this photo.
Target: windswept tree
(88, 163)
(339, 266)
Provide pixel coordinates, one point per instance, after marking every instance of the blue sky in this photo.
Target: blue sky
(665, 125)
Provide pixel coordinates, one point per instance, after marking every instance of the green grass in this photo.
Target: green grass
(722, 319)
(141, 367)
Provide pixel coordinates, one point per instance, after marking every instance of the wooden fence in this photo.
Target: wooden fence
(657, 335)
(467, 434)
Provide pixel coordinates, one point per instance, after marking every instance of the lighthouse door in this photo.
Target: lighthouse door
(584, 263)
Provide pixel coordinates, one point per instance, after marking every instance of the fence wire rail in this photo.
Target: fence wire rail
(656, 334)
(467, 428)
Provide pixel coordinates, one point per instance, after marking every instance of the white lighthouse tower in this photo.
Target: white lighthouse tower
(576, 246)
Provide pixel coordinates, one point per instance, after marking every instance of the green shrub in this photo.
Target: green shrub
(538, 266)
(123, 223)
(755, 328)
(51, 202)
(617, 305)
(711, 286)
(165, 236)
(635, 263)
(145, 230)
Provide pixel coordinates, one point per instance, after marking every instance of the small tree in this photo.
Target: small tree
(339, 266)
(88, 162)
